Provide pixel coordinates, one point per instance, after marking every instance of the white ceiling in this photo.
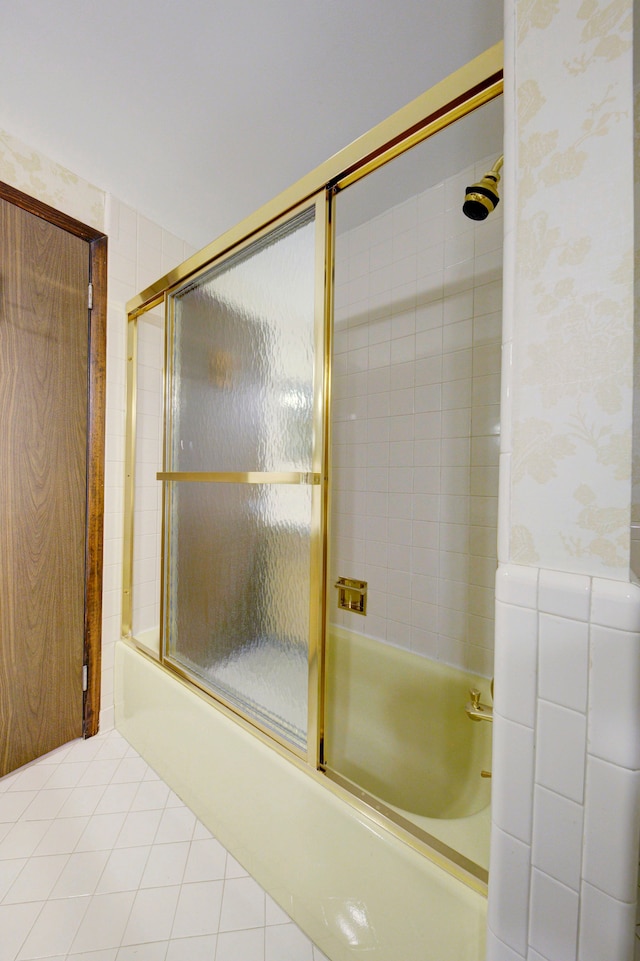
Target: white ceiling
(198, 112)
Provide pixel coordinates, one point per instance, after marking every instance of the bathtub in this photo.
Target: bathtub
(396, 731)
(352, 884)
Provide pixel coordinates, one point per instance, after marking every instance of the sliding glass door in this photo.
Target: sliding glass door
(242, 477)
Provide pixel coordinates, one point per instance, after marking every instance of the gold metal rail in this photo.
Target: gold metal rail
(237, 477)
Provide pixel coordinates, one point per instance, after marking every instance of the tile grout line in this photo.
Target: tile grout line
(231, 870)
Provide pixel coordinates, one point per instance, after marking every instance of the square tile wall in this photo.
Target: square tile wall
(140, 252)
(566, 767)
(416, 423)
(147, 516)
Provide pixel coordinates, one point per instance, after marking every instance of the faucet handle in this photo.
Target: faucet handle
(475, 709)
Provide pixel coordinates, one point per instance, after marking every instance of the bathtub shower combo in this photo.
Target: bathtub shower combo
(313, 458)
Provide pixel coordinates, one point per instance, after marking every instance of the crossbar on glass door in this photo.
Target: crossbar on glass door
(237, 477)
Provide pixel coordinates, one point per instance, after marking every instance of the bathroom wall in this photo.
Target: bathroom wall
(635, 499)
(566, 785)
(569, 445)
(139, 252)
(30, 171)
(147, 511)
(415, 432)
(635, 495)
(568, 633)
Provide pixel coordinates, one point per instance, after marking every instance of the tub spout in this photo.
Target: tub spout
(477, 711)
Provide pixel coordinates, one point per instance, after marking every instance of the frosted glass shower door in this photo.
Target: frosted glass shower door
(240, 478)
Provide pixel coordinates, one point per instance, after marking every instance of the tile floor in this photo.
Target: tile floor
(101, 861)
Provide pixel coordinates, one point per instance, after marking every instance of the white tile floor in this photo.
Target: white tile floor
(101, 861)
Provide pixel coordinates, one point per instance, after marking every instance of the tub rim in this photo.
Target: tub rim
(451, 862)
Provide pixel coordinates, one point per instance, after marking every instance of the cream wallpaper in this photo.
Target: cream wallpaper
(42, 178)
(572, 369)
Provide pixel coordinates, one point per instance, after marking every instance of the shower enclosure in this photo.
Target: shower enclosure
(312, 462)
(240, 476)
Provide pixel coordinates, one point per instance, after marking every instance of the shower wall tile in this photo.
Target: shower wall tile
(564, 657)
(147, 495)
(585, 827)
(499, 951)
(614, 696)
(612, 807)
(415, 341)
(513, 801)
(554, 918)
(561, 736)
(517, 657)
(607, 926)
(557, 842)
(565, 594)
(508, 907)
(612, 605)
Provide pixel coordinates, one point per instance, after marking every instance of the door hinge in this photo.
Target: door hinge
(85, 677)
(90, 297)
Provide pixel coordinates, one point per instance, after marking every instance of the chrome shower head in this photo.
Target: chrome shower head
(482, 198)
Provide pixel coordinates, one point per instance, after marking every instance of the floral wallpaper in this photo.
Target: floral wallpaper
(573, 344)
(42, 178)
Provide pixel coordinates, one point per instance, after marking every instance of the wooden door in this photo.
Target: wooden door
(45, 464)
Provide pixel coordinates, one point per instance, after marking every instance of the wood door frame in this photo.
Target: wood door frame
(96, 357)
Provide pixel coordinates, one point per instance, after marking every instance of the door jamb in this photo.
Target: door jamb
(96, 357)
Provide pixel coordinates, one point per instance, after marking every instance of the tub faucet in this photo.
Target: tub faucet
(477, 711)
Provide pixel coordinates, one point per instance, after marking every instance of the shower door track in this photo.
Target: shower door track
(477, 877)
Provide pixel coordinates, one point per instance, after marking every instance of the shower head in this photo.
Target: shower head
(481, 198)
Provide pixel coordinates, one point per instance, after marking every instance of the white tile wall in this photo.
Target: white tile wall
(610, 861)
(561, 738)
(606, 926)
(563, 669)
(557, 844)
(508, 908)
(147, 522)
(416, 423)
(577, 898)
(139, 252)
(520, 656)
(554, 918)
(499, 951)
(513, 801)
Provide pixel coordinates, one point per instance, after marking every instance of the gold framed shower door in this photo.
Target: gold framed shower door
(474, 85)
(311, 478)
